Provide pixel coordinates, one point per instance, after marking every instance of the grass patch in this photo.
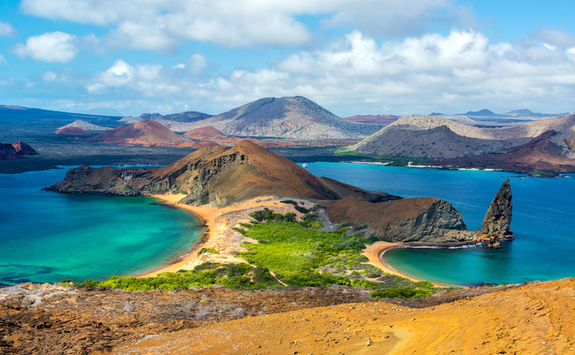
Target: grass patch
(299, 253)
(234, 276)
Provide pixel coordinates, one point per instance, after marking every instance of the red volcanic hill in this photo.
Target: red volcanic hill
(204, 133)
(15, 151)
(141, 133)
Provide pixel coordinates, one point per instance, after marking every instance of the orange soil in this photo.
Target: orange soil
(533, 319)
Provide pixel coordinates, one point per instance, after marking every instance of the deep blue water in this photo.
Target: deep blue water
(48, 236)
(543, 222)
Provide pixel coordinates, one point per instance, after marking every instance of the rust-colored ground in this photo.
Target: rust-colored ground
(538, 318)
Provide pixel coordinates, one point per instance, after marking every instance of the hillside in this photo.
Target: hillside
(14, 151)
(437, 143)
(536, 318)
(538, 155)
(287, 117)
(373, 119)
(87, 126)
(142, 133)
(438, 139)
(204, 133)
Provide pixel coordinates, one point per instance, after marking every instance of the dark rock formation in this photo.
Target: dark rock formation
(13, 151)
(497, 221)
(413, 220)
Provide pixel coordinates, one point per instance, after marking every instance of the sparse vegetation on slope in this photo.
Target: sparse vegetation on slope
(290, 253)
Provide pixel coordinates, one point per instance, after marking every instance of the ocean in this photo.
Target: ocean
(48, 236)
(543, 222)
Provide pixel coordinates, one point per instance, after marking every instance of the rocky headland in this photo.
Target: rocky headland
(219, 177)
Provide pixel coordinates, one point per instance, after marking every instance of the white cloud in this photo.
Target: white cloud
(353, 75)
(161, 25)
(6, 30)
(2, 59)
(49, 47)
(49, 76)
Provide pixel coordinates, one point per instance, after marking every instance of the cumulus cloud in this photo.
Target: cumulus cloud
(6, 30)
(49, 47)
(357, 74)
(161, 25)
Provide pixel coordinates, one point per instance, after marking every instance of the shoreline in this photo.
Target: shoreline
(218, 233)
(375, 251)
(214, 227)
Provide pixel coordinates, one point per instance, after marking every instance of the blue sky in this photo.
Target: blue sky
(361, 57)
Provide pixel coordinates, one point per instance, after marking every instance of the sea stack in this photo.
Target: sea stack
(497, 221)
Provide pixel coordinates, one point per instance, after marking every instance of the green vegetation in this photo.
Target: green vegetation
(234, 276)
(289, 252)
(208, 250)
(301, 254)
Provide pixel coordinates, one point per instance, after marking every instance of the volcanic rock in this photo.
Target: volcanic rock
(497, 221)
(13, 151)
(414, 220)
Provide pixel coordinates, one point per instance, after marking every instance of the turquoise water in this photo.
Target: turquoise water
(48, 236)
(543, 222)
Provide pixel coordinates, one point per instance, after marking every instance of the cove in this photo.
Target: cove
(48, 237)
(543, 222)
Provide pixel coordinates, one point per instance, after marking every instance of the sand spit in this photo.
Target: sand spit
(536, 318)
(219, 235)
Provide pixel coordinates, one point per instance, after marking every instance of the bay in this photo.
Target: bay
(543, 221)
(48, 236)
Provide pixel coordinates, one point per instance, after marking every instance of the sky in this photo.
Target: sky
(400, 57)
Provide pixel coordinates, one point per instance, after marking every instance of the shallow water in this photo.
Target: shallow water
(543, 221)
(48, 236)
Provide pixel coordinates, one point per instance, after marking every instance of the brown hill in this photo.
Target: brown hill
(540, 154)
(204, 133)
(212, 175)
(536, 318)
(141, 133)
(14, 151)
(373, 119)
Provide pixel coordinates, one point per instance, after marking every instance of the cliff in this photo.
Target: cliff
(496, 225)
(412, 220)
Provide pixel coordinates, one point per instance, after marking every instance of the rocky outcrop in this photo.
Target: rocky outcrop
(214, 175)
(496, 225)
(13, 151)
(428, 221)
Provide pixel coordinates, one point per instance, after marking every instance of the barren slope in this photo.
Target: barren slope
(533, 319)
(143, 133)
(287, 117)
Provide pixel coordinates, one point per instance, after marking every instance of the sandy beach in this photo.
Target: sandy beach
(374, 251)
(219, 234)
